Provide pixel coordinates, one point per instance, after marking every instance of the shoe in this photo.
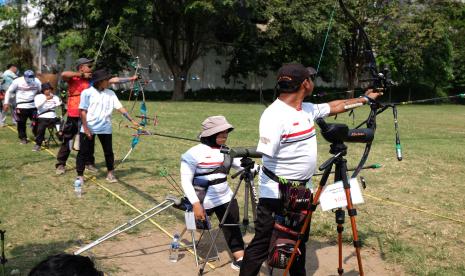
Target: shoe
(91, 168)
(36, 148)
(23, 141)
(60, 170)
(236, 265)
(111, 178)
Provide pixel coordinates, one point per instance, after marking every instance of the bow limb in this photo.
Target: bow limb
(134, 143)
(101, 44)
(379, 81)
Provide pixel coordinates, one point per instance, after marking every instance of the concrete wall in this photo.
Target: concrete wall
(206, 72)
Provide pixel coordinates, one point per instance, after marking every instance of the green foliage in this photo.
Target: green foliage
(422, 42)
(277, 32)
(414, 41)
(14, 36)
(70, 41)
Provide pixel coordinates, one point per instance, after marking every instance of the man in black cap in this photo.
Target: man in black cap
(288, 144)
(96, 106)
(77, 82)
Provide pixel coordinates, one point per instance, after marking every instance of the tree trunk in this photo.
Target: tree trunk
(180, 79)
(351, 83)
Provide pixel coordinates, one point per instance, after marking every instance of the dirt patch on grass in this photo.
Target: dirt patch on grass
(147, 254)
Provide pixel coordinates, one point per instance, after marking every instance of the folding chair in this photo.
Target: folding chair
(193, 227)
(52, 132)
(51, 136)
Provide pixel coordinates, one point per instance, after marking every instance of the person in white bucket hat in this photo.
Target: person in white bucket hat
(203, 177)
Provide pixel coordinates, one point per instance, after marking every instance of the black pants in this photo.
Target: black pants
(232, 234)
(43, 124)
(87, 148)
(70, 129)
(23, 115)
(257, 251)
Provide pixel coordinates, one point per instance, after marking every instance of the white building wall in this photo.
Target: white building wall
(206, 72)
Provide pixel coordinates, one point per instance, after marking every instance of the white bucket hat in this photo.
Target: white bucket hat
(213, 125)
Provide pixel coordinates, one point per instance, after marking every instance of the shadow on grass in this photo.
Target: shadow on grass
(26, 256)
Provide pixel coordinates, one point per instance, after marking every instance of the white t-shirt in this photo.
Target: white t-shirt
(202, 159)
(288, 143)
(99, 106)
(42, 105)
(25, 92)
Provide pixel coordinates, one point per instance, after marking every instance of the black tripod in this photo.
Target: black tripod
(3, 259)
(247, 175)
(250, 192)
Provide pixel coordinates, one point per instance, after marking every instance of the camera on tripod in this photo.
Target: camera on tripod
(340, 133)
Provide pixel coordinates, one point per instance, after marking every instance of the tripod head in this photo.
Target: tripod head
(340, 133)
(248, 164)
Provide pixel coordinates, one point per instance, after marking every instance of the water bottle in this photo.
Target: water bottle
(78, 187)
(174, 249)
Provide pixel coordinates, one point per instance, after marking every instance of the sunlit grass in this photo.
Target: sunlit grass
(42, 216)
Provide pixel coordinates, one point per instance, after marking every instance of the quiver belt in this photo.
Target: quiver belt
(293, 193)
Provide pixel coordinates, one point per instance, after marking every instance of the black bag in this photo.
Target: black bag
(281, 246)
(295, 198)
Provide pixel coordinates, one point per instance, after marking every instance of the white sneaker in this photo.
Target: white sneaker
(60, 170)
(111, 178)
(236, 265)
(91, 169)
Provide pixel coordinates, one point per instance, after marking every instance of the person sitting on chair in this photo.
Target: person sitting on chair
(203, 177)
(46, 116)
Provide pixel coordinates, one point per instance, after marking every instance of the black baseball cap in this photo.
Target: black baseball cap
(81, 61)
(101, 74)
(291, 75)
(46, 86)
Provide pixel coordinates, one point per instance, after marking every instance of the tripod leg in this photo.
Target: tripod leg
(308, 219)
(253, 198)
(226, 213)
(340, 217)
(245, 219)
(352, 213)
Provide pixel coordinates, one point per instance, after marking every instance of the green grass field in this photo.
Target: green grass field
(42, 216)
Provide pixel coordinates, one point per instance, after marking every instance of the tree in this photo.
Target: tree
(275, 32)
(14, 36)
(415, 41)
(185, 30)
(454, 12)
(78, 28)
